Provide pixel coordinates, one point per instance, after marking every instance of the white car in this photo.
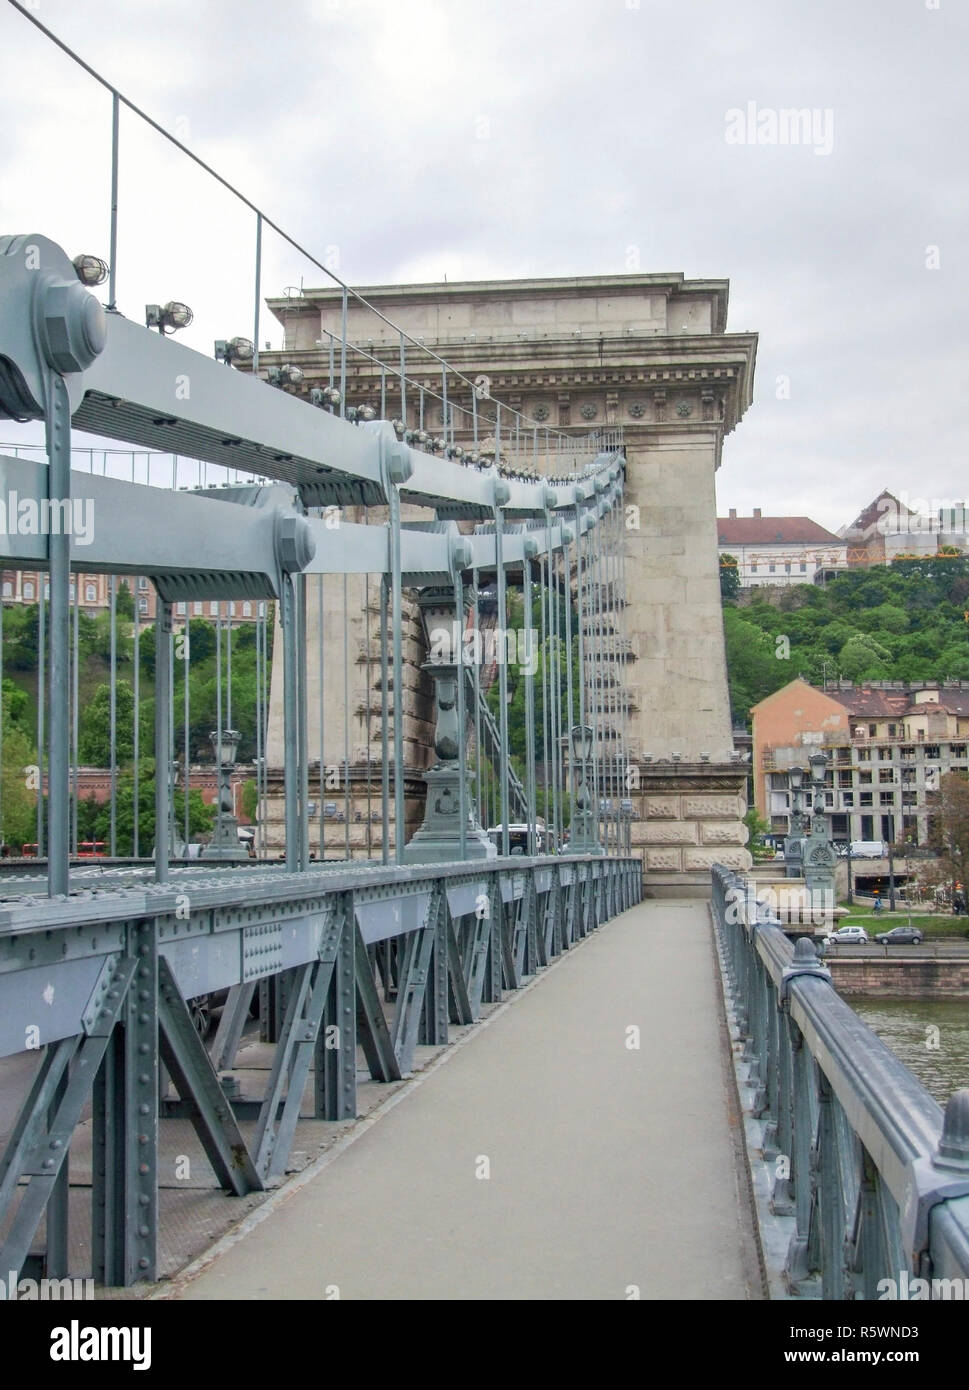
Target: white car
(855, 935)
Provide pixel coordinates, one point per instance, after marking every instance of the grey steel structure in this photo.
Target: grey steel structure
(874, 1177)
(97, 979)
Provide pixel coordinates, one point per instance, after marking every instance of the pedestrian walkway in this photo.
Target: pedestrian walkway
(546, 1157)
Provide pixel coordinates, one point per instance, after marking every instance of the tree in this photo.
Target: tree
(949, 827)
(863, 658)
(200, 815)
(19, 803)
(757, 828)
(729, 577)
(94, 733)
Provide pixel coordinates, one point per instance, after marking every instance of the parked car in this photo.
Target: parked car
(901, 936)
(850, 935)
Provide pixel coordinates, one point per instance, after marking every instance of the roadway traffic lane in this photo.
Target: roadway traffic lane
(548, 1158)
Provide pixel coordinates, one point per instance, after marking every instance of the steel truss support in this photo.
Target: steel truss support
(204, 1102)
(40, 1142)
(374, 1033)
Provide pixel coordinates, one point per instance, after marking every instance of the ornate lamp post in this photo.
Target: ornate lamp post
(794, 842)
(583, 838)
(440, 837)
(820, 857)
(225, 842)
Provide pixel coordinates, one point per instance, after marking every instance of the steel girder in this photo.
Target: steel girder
(877, 1182)
(100, 983)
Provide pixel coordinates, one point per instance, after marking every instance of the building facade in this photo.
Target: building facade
(779, 549)
(888, 745)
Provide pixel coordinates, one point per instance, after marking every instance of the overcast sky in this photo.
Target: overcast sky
(481, 138)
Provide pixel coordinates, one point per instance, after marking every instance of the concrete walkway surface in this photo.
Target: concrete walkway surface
(547, 1158)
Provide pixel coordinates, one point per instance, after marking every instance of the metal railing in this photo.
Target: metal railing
(871, 1178)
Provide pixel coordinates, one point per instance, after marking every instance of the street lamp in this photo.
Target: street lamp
(225, 843)
(582, 837)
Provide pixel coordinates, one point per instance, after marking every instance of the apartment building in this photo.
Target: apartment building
(888, 744)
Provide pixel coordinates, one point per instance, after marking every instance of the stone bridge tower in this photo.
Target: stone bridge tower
(649, 353)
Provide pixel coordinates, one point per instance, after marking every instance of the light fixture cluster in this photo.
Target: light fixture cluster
(168, 318)
(233, 350)
(325, 397)
(286, 375)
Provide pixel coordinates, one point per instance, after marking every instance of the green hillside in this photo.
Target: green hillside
(908, 621)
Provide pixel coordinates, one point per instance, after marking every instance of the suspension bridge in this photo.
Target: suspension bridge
(379, 950)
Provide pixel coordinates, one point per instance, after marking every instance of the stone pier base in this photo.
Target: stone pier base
(690, 817)
(355, 818)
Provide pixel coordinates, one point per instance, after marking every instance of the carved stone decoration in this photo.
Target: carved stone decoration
(707, 399)
(541, 411)
(588, 411)
(659, 401)
(684, 409)
(637, 409)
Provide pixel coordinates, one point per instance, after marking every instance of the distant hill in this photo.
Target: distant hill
(906, 621)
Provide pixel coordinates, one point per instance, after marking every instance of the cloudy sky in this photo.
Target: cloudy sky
(477, 138)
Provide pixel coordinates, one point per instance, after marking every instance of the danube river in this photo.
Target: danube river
(931, 1036)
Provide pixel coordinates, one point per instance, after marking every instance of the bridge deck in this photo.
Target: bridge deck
(609, 1166)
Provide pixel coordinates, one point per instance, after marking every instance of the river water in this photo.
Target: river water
(931, 1037)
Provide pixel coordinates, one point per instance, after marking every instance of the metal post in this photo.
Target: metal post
(530, 711)
(384, 749)
(258, 279)
(113, 712)
(113, 253)
(462, 718)
(502, 672)
(396, 619)
(59, 671)
(287, 617)
(343, 358)
(136, 741)
(304, 766)
(163, 767)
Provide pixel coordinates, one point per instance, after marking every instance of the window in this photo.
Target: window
(232, 609)
(864, 778)
(247, 610)
(90, 593)
(787, 567)
(213, 610)
(180, 609)
(865, 799)
(29, 591)
(844, 779)
(931, 750)
(892, 730)
(847, 798)
(803, 567)
(885, 755)
(7, 589)
(864, 755)
(771, 567)
(753, 566)
(886, 774)
(142, 605)
(196, 608)
(72, 590)
(142, 582)
(47, 588)
(886, 798)
(872, 730)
